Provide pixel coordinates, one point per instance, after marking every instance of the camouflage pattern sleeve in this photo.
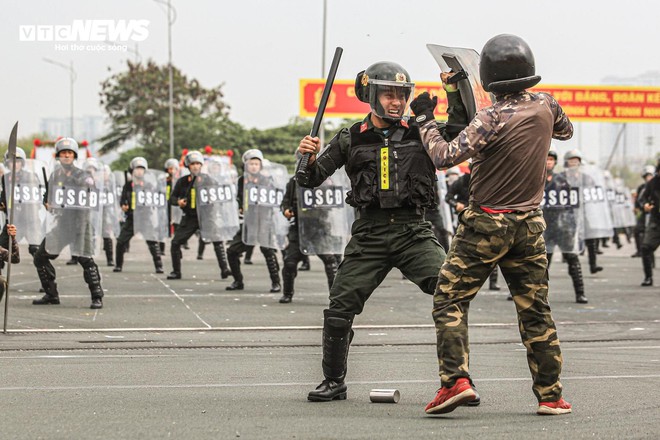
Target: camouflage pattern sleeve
(15, 256)
(563, 128)
(474, 138)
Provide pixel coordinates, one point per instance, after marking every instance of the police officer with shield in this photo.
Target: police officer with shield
(503, 225)
(392, 184)
(71, 197)
(28, 201)
(561, 201)
(184, 196)
(137, 167)
(253, 176)
(293, 254)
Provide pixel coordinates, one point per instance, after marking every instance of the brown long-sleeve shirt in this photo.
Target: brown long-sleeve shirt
(508, 143)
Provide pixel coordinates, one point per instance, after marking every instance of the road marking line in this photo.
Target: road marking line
(301, 384)
(208, 326)
(296, 327)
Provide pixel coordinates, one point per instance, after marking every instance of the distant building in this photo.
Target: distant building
(638, 142)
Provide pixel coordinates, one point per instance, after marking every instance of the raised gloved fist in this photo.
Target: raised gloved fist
(423, 107)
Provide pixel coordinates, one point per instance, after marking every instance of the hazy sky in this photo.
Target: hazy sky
(260, 49)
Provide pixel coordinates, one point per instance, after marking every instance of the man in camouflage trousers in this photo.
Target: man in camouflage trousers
(503, 225)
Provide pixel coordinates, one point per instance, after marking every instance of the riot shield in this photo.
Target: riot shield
(596, 219)
(109, 205)
(324, 219)
(215, 199)
(149, 202)
(74, 204)
(176, 213)
(443, 206)
(263, 223)
(29, 210)
(456, 58)
(561, 211)
(625, 205)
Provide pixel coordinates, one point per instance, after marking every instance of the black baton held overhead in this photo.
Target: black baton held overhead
(302, 173)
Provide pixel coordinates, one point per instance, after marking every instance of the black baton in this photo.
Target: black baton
(302, 173)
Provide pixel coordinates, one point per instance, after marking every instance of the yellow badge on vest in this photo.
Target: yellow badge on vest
(384, 168)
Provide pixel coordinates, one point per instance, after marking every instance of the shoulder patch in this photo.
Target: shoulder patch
(364, 127)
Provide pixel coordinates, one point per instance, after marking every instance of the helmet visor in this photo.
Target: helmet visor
(390, 100)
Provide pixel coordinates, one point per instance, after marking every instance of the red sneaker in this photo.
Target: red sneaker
(448, 399)
(554, 408)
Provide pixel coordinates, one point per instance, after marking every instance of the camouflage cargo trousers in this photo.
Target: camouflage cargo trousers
(514, 241)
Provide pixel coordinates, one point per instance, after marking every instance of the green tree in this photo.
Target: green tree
(137, 104)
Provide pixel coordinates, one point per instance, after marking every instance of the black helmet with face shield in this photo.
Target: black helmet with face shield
(384, 80)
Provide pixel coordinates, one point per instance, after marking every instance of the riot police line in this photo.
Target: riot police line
(32, 190)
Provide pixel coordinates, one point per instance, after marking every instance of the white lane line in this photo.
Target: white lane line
(300, 384)
(208, 326)
(354, 352)
(294, 327)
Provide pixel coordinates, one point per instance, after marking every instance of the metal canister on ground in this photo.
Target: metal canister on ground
(384, 396)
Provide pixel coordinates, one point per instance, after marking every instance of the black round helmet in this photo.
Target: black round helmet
(553, 153)
(381, 76)
(507, 65)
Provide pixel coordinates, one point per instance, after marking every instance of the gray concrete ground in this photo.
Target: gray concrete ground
(187, 359)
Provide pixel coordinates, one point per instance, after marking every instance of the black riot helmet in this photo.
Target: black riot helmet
(507, 65)
(383, 77)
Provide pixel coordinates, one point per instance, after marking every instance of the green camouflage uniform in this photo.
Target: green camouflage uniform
(513, 239)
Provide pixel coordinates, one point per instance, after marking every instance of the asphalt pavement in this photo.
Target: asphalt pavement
(188, 359)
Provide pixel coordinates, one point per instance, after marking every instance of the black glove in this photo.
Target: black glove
(423, 107)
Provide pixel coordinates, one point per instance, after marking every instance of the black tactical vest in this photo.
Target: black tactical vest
(392, 172)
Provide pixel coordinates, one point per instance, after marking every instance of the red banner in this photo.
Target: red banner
(581, 103)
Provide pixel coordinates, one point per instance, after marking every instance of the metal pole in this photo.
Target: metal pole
(72, 79)
(72, 74)
(171, 91)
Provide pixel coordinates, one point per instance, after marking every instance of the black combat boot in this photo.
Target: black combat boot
(575, 271)
(51, 297)
(175, 254)
(647, 263)
(248, 255)
(492, 280)
(107, 247)
(46, 274)
(92, 277)
(154, 250)
(274, 271)
(592, 245)
(234, 261)
(221, 256)
(288, 280)
(337, 335)
(305, 263)
(120, 249)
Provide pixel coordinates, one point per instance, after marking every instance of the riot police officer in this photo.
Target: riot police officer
(71, 226)
(595, 225)
(171, 167)
(253, 161)
(293, 254)
(640, 225)
(27, 213)
(650, 201)
(137, 167)
(392, 184)
(503, 225)
(183, 196)
(561, 220)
